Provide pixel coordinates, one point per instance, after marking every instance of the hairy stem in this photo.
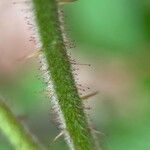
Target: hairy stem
(67, 103)
(14, 131)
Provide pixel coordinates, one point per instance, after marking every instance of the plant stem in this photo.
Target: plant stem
(14, 131)
(65, 97)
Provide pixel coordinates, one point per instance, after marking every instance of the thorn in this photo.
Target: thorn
(32, 55)
(58, 136)
(97, 132)
(62, 2)
(89, 95)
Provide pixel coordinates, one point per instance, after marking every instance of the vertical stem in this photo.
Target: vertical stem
(14, 131)
(68, 104)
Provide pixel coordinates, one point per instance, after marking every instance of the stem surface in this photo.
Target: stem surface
(14, 131)
(59, 68)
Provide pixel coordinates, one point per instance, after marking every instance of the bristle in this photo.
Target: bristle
(62, 2)
(21, 2)
(59, 135)
(80, 64)
(89, 95)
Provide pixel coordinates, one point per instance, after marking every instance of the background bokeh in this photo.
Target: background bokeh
(113, 36)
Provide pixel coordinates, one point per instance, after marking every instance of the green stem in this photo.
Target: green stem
(14, 131)
(65, 97)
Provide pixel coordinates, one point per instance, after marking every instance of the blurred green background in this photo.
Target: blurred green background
(114, 37)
